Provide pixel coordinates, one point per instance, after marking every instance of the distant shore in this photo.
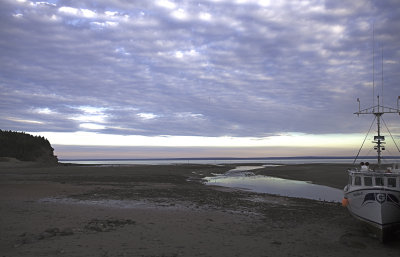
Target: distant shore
(165, 210)
(225, 160)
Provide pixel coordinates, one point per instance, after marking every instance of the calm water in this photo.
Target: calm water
(243, 178)
(216, 161)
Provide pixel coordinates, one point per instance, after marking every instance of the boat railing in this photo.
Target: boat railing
(388, 170)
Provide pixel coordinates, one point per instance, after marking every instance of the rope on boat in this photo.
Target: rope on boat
(390, 134)
(364, 141)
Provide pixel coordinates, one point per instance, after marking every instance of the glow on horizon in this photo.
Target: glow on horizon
(282, 140)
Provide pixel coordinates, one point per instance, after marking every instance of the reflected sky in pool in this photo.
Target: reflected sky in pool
(270, 185)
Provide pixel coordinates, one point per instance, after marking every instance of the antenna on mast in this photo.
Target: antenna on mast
(382, 75)
(373, 64)
(379, 109)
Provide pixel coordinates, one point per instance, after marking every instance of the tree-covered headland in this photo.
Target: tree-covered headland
(26, 147)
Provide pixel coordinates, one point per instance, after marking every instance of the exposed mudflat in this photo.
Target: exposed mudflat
(151, 210)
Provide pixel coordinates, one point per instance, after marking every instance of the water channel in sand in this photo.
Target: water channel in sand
(242, 178)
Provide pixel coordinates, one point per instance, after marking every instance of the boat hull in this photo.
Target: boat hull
(378, 207)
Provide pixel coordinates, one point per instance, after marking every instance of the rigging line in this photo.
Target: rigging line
(390, 134)
(364, 141)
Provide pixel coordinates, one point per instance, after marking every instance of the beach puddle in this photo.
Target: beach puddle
(244, 179)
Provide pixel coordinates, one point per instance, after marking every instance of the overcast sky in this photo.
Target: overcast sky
(196, 73)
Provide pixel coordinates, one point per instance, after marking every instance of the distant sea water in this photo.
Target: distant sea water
(217, 161)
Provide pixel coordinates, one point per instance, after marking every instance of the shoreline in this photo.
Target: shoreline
(332, 175)
(156, 210)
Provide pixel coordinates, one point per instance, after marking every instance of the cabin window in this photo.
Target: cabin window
(357, 181)
(378, 181)
(367, 181)
(391, 182)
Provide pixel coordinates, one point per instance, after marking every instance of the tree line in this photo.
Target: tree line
(25, 147)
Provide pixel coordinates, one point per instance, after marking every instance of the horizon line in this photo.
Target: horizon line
(228, 158)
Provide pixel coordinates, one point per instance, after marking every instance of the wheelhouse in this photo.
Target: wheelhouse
(374, 179)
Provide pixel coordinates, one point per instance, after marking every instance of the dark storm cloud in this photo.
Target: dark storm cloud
(205, 68)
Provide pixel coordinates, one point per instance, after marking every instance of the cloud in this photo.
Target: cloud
(204, 68)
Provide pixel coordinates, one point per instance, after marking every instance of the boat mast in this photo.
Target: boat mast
(378, 111)
(379, 140)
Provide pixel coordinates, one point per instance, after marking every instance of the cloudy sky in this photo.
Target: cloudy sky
(165, 78)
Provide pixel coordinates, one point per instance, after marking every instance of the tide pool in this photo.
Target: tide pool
(244, 179)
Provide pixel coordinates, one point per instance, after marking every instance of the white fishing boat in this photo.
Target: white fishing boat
(373, 193)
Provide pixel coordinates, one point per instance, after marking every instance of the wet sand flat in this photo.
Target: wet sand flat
(332, 175)
(164, 210)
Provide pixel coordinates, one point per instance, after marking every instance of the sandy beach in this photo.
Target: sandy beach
(152, 210)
